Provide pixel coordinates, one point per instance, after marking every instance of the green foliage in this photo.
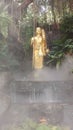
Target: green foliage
(6, 58)
(3, 48)
(32, 125)
(26, 31)
(5, 19)
(20, 1)
(56, 55)
(43, 127)
(67, 26)
(26, 34)
(59, 50)
(64, 45)
(27, 125)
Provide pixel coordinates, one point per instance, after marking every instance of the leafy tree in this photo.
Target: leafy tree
(5, 19)
(64, 45)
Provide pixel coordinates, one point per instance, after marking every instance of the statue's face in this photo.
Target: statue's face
(38, 30)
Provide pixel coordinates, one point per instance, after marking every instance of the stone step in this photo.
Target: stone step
(41, 92)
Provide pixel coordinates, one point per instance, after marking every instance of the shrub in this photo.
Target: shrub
(32, 125)
(64, 45)
(66, 26)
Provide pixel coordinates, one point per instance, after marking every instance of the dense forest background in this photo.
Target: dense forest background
(18, 20)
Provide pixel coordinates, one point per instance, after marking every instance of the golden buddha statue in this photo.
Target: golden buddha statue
(39, 48)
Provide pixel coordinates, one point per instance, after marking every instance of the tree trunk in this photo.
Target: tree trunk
(71, 5)
(52, 7)
(12, 11)
(24, 4)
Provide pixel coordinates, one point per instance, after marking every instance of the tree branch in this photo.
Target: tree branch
(25, 4)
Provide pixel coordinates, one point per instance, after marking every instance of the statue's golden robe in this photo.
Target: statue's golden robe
(39, 48)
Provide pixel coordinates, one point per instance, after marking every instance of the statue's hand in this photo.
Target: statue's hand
(47, 51)
(32, 40)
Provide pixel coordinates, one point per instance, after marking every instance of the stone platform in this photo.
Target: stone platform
(42, 92)
(34, 100)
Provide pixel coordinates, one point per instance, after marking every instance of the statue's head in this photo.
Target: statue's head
(38, 30)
